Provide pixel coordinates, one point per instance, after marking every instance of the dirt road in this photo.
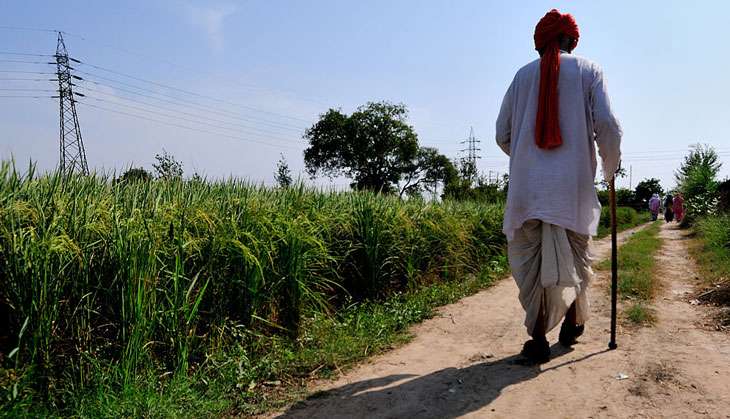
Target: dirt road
(461, 363)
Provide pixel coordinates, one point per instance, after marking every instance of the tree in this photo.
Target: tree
(135, 174)
(697, 180)
(283, 173)
(374, 146)
(645, 189)
(467, 184)
(426, 171)
(167, 168)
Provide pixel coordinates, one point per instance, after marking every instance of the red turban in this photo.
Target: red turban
(547, 41)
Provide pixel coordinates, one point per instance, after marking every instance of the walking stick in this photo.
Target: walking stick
(614, 261)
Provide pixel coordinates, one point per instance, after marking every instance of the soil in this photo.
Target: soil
(462, 362)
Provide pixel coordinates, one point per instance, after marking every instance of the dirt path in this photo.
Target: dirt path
(460, 363)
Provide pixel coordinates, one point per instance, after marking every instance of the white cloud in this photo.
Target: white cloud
(211, 18)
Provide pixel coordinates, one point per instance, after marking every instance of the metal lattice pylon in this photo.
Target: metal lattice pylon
(470, 161)
(72, 153)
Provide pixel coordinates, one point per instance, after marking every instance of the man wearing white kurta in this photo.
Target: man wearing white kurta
(552, 207)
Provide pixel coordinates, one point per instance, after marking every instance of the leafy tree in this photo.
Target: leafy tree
(427, 170)
(135, 174)
(645, 189)
(283, 173)
(697, 180)
(167, 168)
(625, 197)
(374, 146)
(469, 185)
(723, 193)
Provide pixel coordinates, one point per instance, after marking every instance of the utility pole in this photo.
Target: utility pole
(631, 174)
(470, 161)
(71, 150)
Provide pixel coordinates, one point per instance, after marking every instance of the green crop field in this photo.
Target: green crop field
(104, 285)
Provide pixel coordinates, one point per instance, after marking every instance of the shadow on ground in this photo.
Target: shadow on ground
(447, 393)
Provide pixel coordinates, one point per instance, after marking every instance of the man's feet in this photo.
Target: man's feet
(569, 333)
(536, 351)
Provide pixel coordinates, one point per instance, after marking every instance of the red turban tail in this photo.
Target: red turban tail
(547, 39)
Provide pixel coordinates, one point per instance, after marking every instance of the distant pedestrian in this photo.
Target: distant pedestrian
(654, 204)
(668, 210)
(553, 112)
(678, 207)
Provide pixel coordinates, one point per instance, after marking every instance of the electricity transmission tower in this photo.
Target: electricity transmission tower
(72, 153)
(469, 163)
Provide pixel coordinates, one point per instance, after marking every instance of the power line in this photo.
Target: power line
(183, 102)
(24, 28)
(200, 95)
(28, 97)
(166, 115)
(27, 54)
(27, 90)
(145, 56)
(24, 79)
(191, 70)
(26, 72)
(24, 62)
(248, 127)
(184, 127)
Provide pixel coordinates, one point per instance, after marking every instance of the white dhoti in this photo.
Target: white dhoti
(552, 268)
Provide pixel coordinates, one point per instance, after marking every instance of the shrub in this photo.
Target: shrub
(696, 179)
(625, 218)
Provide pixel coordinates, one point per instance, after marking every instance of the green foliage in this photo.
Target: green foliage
(374, 146)
(283, 173)
(625, 218)
(713, 256)
(714, 233)
(467, 185)
(723, 192)
(697, 180)
(126, 290)
(135, 174)
(624, 198)
(640, 313)
(645, 189)
(167, 168)
(427, 171)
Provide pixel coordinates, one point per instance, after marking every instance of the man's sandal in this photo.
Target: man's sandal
(569, 333)
(537, 352)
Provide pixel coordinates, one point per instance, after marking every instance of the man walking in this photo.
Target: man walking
(554, 113)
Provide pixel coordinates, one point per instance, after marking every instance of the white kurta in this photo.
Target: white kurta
(556, 186)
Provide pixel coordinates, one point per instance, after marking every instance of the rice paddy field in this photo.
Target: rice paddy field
(113, 294)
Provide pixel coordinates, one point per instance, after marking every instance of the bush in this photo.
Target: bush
(714, 259)
(625, 218)
(696, 179)
(135, 174)
(723, 190)
(624, 198)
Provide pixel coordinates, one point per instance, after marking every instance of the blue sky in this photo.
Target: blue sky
(266, 69)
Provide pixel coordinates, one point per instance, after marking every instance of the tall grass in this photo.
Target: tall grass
(122, 280)
(712, 253)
